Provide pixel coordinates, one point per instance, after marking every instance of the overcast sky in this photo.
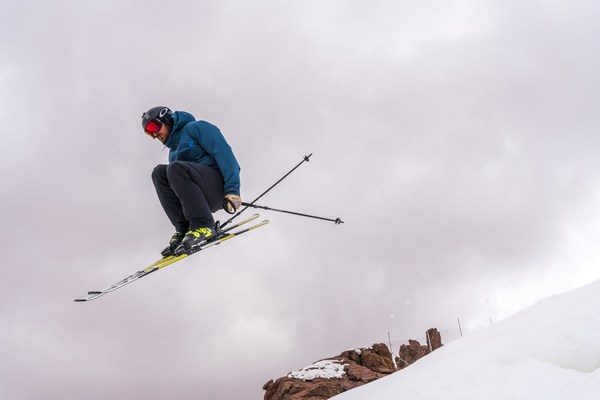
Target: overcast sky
(458, 140)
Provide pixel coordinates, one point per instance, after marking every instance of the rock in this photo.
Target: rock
(332, 376)
(352, 368)
(434, 339)
(378, 359)
(411, 352)
(414, 350)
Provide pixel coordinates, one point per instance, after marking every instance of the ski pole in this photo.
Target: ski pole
(337, 220)
(306, 158)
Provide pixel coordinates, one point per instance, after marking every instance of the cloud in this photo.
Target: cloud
(457, 140)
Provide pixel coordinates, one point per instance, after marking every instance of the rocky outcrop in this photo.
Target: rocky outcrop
(414, 350)
(434, 339)
(376, 358)
(329, 377)
(352, 368)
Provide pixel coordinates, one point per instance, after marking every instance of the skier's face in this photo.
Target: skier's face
(163, 133)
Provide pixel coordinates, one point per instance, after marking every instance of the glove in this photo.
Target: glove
(232, 202)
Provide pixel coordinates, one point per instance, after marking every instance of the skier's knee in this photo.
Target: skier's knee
(176, 168)
(159, 172)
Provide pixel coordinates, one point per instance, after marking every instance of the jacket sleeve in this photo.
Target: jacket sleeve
(212, 141)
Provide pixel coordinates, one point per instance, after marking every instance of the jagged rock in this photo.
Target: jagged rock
(434, 339)
(414, 350)
(411, 352)
(377, 358)
(362, 374)
(293, 389)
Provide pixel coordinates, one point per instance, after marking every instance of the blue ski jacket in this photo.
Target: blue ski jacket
(202, 142)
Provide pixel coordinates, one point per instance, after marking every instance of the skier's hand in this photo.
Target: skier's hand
(232, 203)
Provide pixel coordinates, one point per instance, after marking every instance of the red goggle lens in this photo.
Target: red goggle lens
(153, 126)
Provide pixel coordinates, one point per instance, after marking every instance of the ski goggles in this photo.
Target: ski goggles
(152, 128)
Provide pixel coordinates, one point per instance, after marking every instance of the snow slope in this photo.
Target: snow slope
(550, 351)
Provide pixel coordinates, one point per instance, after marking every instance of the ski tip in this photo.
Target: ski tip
(93, 292)
(80, 300)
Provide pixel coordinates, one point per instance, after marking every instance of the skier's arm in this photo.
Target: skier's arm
(213, 142)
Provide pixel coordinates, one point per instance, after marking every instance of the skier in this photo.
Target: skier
(201, 173)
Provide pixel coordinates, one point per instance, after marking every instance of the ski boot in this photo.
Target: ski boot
(195, 238)
(173, 244)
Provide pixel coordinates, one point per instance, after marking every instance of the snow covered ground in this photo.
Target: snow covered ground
(548, 351)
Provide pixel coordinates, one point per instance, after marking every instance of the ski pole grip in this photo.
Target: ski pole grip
(228, 206)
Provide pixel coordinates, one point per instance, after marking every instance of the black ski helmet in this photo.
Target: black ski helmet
(161, 113)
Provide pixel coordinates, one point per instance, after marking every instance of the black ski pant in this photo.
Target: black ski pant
(189, 193)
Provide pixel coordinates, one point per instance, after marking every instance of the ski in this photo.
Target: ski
(224, 235)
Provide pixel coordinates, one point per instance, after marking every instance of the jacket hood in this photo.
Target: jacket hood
(180, 119)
